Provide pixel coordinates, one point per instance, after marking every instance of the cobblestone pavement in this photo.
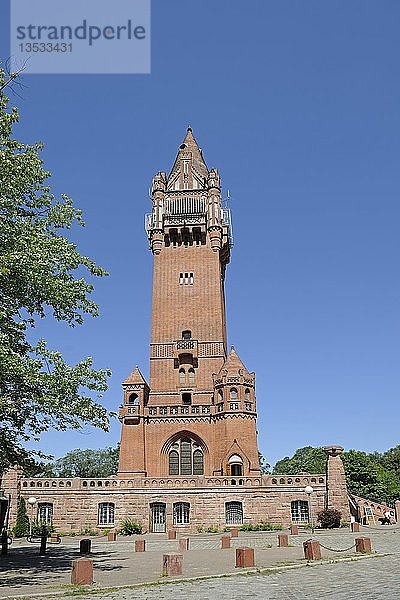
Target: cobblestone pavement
(23, 572)
(369, 579)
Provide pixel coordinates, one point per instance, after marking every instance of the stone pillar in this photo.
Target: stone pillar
(112, 536)
(235, 532)
(336, 488)
(172, 564)
(183, 544)
(244, 557)
(82, 571)
(140, 545)
(355, 527)
(294, 529)
(171, 534)
(312, 550)
(225, 541)
(283, 540)
(11, 485)
(363, 545)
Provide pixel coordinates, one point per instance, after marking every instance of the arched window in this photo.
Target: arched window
(198, 462)
(133, 399)
(186, 458)
(173, 463)
(300, 511)
(106, 513)
(182, 376)
(247, 395)
(233, 394)
(45, 513)
(234, 513)
(191, 376)
(236, 465)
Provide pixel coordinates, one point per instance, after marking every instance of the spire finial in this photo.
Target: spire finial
(189, 128)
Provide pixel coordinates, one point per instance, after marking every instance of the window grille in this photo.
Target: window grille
(45, 513)
(234, 513)
(186, 457)
(106, 513)
(300, 511)
(198, 462)
(181, 513)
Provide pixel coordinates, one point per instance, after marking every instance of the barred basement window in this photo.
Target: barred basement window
(234, 513)
(181, 513)
(45, 513)
(300, 511)
(106, 513)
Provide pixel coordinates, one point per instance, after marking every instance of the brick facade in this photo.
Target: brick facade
(188, 453)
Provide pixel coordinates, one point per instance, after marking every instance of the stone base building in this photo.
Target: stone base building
(188, 455)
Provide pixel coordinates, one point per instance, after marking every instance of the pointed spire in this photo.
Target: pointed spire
(135, 377)
(233, 363)
(189, 147)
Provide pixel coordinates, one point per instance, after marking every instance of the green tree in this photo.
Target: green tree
(21, 527)
(41, 274)
(265, 467)
(366, 477)
(304, 460)
(84, 463)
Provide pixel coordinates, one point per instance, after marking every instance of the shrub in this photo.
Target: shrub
(21, 527)
(329, 518)
(130, 527)
(263, 526)
(37, 527)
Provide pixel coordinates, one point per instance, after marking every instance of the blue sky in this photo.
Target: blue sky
(297, 104)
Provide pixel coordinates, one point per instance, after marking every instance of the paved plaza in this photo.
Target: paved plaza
(25, 574)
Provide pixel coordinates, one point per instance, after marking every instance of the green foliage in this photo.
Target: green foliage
(83, 463)
(263, 526)
(373, 476)
(21, 527)
(304, 460)
(42, 274)
(210, 529)
(37, 527)
(130, 527)
(329, 518)
(265, 467)
(89, 531)
(367, 476)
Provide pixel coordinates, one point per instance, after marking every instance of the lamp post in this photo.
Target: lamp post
(32, 501)
(309, 490)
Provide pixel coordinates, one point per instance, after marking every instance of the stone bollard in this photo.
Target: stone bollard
(294, 530)
(235, 532)
(140, 545)
(363, 544)
(283, 540)
(112, 536)
(85, 546)
(171, 534)
(244, 557)
(312, 550)
(82, 571)
(172, 564)
(183, 544)
(225, 541)
(355, 527)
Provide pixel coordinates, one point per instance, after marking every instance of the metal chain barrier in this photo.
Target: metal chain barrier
(334, 549)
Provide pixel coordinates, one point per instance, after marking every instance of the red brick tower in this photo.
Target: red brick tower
(198, 416)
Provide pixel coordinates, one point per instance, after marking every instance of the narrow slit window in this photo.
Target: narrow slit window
(191, 278)
(180, 278)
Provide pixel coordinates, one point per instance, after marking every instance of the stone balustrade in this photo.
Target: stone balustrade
(110, 483)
